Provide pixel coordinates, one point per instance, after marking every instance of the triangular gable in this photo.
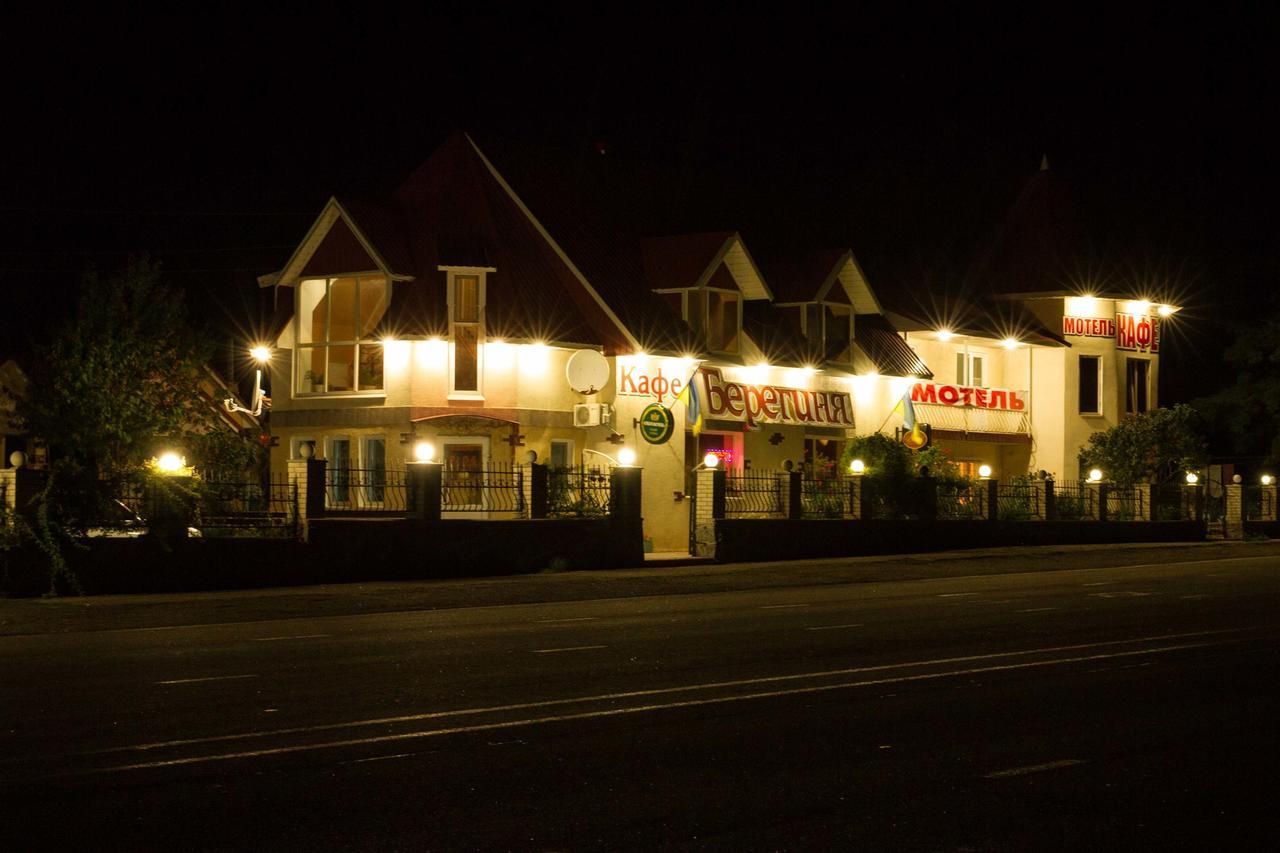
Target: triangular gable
(339, 253)
(741, 266)
(856, 287)
(348, 247)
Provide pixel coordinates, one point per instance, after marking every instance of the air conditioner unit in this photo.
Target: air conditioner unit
(590, 414)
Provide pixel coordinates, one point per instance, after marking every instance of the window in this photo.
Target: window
(969, 369)
(561, 454)
(338, 454)
(822, 456)
(337, 318)
(722, 321)
(1090, 385)
(466, 328)
(839, 333)
(374, 463)
(1135, 398)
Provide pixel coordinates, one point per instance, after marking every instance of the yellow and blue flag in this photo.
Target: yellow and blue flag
(693, 405)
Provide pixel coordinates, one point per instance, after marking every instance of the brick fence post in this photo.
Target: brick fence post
(792, 504)
(313, 497)
(1268, 503)
(855, 497)
(537, 488)
(1143, 493)
(1050, 502)
(709, 506)
(1098, 499)
(993, 499)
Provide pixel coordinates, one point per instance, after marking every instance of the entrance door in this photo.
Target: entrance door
(464, 476)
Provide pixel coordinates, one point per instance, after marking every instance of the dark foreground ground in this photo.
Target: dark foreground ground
(1019, 701)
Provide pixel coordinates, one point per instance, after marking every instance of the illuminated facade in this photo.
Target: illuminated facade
(449, 313)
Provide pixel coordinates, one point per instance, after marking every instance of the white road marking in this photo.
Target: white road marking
(1125, 594)
(574, 619)
(955, 594)
(1034, 768)
(618, 712)
(834, 627)
(209, 678)
(566, 649)
(780, 606)
(294, 637)
(660, 691)
(1037, 609)
(1098, 583)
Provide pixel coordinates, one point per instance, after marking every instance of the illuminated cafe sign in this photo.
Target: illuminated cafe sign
(1134, 332)
(1137, 332)
(773, 403)
(964, 396)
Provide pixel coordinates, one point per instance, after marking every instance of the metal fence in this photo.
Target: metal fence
(578, 492)
(492, 489)
(371, 490)
(1127, 504)
(749, 495)
(824, 497)
(232, 507)
(963, 502)
(1018, 502)
(1259, 503)
(1074, 500)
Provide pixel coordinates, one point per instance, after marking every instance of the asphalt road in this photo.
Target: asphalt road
(1129, 708)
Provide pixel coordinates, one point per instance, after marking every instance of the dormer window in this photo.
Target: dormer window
(466, 298)
(337, 352)
(718, 315)
(830, 326)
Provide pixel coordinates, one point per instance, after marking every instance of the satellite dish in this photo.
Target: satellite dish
(587, 371)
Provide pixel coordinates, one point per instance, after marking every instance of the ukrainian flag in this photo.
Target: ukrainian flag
(912, 436)
(693, 406)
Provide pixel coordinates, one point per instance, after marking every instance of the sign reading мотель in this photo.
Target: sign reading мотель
(1089, 327)
(930, 393)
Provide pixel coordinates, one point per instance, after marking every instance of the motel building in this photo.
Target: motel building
(478, 311)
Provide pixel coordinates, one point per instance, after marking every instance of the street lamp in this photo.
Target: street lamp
(259, 401)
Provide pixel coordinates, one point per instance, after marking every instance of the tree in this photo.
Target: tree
(111, 387)
(1157, 445)
(1246, 415)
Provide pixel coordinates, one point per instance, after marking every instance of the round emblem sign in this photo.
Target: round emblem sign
(656, 423)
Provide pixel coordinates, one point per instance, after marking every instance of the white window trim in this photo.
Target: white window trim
(299, 345)
(1101, 387)
(966, 378)
(481, 273)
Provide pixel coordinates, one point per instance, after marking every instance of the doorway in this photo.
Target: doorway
(466, 462)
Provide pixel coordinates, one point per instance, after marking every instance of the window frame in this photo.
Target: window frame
(1131, 406)
(452, 274)
(1097, 411)
(301, 347)
(705, 296)
(964, 375)
(570, 456)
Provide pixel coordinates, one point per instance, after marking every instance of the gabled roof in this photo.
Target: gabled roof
(693, 260)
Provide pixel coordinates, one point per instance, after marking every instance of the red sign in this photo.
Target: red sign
(963, 395)
(1089, 327)
(772, 403)
(1137, 332)
(633, 382)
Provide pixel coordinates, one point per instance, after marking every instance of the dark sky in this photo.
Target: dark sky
(210, 141)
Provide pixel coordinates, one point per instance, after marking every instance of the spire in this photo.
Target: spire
(1044, 162)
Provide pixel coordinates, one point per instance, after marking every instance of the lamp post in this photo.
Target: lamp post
(262, 356)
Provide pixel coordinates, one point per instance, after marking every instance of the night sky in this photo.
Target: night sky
(211, 142)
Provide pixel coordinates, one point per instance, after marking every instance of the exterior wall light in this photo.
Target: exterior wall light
(626, 457)
(424, 451)
(1192, 478)
(857, 467)
(1267, 479)
(1095, 475)
(945, 334)
(1010, 343)
(1166, 310)
(984, 471)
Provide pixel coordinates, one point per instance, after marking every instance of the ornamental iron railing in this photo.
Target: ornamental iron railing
(753, 495)
(579, 492)
(494, 488)
(366, 490)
